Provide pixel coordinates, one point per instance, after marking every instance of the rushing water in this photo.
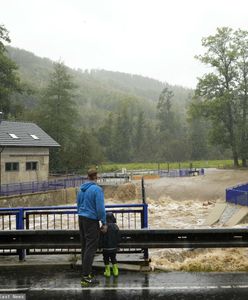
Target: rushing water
(167, 213)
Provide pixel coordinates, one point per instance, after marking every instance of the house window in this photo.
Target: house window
(35, 137)
(11, 166)
(31, 165)
(14, 136)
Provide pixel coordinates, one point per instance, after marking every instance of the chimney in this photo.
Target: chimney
(1, 116)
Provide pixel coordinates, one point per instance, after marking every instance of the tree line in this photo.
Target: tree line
(212, 124)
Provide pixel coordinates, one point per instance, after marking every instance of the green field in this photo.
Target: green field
(175, 165)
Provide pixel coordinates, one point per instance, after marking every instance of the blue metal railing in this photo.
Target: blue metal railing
(129, 216)
(40, 186)
(43, 186)
(180, 172)
(238, 194)
(21, 221)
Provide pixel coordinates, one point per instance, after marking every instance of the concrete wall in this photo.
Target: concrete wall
(23, 155)
(59, 197)
(121, 194)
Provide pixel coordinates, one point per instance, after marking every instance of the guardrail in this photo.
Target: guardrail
(144, 238)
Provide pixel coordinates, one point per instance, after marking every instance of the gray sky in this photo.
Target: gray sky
(154, 38)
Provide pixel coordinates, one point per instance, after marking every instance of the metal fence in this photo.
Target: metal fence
(43, 186)
(39, 186)
(113, 178)
(181, 172)
(169, 173)
(128, 216)
(105, 178)
(238, 194)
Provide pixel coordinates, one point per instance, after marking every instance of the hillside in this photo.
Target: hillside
(99, 91)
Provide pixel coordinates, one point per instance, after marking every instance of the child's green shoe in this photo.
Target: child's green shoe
(115, 270)
(107, 272)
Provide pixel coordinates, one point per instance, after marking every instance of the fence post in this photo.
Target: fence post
(20, 219)
(143, 191)
(144, 223)
(145, 216)
(20, 226)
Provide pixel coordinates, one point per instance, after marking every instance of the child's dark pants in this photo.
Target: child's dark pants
(109, 256)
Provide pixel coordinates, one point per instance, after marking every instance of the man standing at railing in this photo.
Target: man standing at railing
(91, 210)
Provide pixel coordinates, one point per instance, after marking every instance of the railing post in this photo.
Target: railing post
(144, 216)
(145, 225)
(20, 219)
(20, 226)
(143, 191)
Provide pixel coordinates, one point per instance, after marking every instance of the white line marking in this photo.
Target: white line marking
(169, 288)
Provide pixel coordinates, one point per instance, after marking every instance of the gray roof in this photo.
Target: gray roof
(23, 132)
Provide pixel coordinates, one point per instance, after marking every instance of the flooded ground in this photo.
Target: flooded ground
(185, 203)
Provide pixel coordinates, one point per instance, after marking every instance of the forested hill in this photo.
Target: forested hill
(99, 91)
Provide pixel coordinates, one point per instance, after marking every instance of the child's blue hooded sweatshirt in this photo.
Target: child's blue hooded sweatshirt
(90, 202)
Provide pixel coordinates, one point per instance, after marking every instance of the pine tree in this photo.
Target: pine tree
(57, 113)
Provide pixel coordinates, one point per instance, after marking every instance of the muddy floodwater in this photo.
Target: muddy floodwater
(185, 203)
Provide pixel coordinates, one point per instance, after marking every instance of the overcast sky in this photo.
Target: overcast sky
(154, 38)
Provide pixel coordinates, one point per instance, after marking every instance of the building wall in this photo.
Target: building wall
(23, 155)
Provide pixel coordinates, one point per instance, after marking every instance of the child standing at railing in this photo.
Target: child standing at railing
(109, 243)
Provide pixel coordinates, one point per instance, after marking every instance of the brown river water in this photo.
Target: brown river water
(185, 203)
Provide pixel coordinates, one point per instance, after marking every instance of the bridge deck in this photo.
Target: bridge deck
(64, 283)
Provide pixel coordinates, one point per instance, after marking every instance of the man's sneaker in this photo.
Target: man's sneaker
(88, 281)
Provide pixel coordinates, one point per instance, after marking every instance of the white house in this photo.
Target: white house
(24, 152)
